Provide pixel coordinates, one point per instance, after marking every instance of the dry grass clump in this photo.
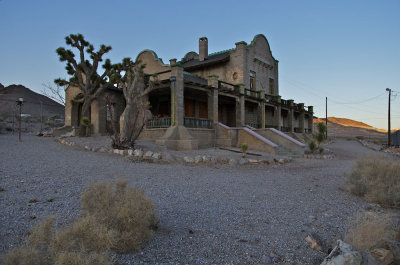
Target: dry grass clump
(367, 229)
(377, 179)
(36, 249)
(125, 212)
(114, 217)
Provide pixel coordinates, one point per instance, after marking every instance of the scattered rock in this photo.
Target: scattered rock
(167, 157)
(343, 254)
(253, 161)
(87, 147)
(392, 245)
(315, 244)
(148, 154)
(213, 160)
(206, 158)
(50, 200)
(138, 152)
(232, 162)
(130, 152)
(384, 256)
(33, 201)
(103, 150)
(188, 159)
(223, 160)
(368, 259)
(243, 161)
(32, 217)
(156, 156)
(281, 161)
(198, 159)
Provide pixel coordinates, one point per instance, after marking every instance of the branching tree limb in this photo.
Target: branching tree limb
(83, 70)
(130, 77)
(55, 93)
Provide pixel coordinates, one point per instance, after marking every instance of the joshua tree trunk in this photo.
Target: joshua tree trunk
(133, 118)
(85, 113)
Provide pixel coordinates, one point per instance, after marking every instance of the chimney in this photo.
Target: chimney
(203, 48)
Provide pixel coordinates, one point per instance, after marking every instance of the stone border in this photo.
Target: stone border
(319, 156)
(138, 155)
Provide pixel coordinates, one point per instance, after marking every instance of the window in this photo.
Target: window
(271, 86)
(252, 80)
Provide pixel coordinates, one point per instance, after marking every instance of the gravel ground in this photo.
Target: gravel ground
(208, 215)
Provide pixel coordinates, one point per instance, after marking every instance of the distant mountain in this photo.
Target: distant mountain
(351, 123)
(34, 103)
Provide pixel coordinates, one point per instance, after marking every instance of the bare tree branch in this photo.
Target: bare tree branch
(55, 93)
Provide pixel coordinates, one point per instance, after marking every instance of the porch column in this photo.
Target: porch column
(277, 114)
(240, 110)
(212, 103)
(291, 115)
(310, 119)
(262, 109)
(177, 95)
(301, 117)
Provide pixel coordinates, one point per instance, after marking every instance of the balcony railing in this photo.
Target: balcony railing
(254, 125)
(252, 93)
(228, 87)
(159, 123)
(298, 130)
(198, 123)
(285, 129)
(271, 126)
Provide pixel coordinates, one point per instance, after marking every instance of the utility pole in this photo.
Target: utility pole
(390, 93)
(326, 116)
(20, 102)
(41, 116)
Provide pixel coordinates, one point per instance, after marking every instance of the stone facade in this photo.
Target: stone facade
(191, 97)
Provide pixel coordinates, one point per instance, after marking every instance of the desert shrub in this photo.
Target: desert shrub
(82, 258)
(244, 147)
(126, 212)
(114, 217)
(84, 235)
(85, 121)
(24, 255)
(321, 150)
(35, 251)
(312, 146)
(377, 179)
(367, 229)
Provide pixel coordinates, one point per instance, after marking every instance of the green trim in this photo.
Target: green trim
(241, 42)
(223, 51)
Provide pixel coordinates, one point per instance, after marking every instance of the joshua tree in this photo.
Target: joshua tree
(83, 71)
(132, 120)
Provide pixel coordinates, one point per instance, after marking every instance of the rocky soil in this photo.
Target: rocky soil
(220, 214)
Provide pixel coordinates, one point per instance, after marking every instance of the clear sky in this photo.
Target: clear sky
(348, 51)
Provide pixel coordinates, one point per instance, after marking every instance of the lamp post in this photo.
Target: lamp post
(20, 102)
(390, 92)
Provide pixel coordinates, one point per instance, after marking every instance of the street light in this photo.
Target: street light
(20, 102)
(390, 92)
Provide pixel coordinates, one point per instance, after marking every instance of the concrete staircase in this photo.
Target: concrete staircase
(266, 140)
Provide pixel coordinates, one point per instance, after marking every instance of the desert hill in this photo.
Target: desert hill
(32, 102)
(347, 128)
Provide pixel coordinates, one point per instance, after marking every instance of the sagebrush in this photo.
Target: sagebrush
(367, 229)
(377, 179)
(113, 217)
(126, 213)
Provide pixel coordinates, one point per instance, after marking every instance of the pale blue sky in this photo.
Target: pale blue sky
(348, 51)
